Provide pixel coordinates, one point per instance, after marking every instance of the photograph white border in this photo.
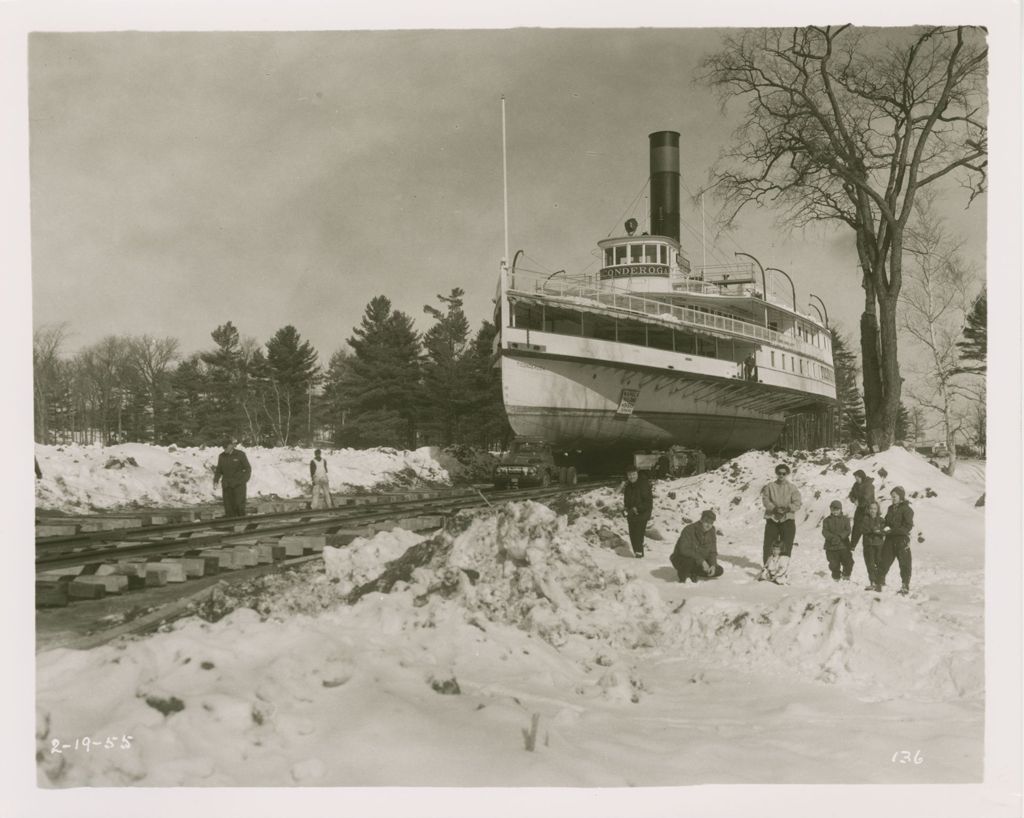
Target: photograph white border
(999, 795)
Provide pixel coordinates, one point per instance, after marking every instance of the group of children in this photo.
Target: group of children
(886, 539)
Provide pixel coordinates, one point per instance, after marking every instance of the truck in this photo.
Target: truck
(530, 461)
(533, 461)
(676, 461)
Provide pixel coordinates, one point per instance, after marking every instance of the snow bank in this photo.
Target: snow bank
(83, 478)
(440, 650)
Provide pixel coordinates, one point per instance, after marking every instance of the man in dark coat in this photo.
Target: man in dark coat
(695, 556)
(232, 472)
(862, 494)
(899, 520)
(637, 504)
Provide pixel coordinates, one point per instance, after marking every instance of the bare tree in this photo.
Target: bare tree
(933, 306)
(846, 125)
(47, 342)
(151, 358)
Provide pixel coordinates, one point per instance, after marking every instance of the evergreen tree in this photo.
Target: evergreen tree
(186, 404)
(382, 386)
(904, 424)
(490, 422)
(852, 424)
(974, 346)
(334, 407)
(447, 368)
(226, 384)
(291, 372)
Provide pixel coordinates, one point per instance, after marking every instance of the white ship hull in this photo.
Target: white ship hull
(579, 404)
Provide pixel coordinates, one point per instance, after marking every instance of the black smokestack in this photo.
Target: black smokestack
(665, 184)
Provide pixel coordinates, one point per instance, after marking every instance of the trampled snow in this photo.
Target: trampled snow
(411, 660)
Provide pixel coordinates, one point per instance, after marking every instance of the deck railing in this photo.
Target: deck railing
(570, 290)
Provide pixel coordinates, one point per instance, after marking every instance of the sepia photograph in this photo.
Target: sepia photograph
(589, 410)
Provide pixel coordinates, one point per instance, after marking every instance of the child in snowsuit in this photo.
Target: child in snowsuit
(776, 568)
(873, 530)
(836, 530)
(899, 520)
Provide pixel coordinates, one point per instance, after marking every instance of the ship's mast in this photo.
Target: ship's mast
(504, 174)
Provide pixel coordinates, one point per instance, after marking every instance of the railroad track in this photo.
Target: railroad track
(280, 538)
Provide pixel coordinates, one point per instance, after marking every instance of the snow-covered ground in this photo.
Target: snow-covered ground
(91, 478)
(526, 627)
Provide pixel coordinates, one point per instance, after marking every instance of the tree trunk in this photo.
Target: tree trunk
(873, 390)
(947, 411)
(884, 429)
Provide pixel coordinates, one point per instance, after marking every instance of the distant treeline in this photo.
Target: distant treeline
(391, 386)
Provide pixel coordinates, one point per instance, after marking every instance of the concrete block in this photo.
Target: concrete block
(292, 546)
(217, 559)
(246, 555)
(175, 570)
(156, 577)
(426, 522)
(57, 529)
(116, 523)
(57, 574)
(51, 595)
(194, 566)
(265, 552)
(306, 542)
(111, 583)
(86, 588)
(132, 568)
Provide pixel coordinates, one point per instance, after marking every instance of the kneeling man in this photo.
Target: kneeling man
(696, 553)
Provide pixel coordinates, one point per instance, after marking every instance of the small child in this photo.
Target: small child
(836, 529)
(873, 529)
(776, 568)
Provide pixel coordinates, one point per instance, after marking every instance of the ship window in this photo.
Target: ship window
(620, 254)
(608, 257)
(801, 366)
(651, 253)
(773, 359)
(634, 253)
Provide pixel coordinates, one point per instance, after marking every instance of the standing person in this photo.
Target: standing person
(874, 537)
(695, 556)
(750, 368)
(836, 530)
(321, 484)
(899, 520)
(233, 472)
(781, 500)
(637, 504)
(862, 494)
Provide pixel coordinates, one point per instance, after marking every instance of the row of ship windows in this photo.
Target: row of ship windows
(811, 368)
(566, 322)
(637, 254)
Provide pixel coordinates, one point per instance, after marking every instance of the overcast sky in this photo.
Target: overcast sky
(181, 180)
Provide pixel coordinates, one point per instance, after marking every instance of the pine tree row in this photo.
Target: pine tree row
(392, 387)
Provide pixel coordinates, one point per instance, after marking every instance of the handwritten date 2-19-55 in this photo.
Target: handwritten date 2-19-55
(89, 744)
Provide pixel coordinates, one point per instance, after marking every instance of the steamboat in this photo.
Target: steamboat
(648, 352)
